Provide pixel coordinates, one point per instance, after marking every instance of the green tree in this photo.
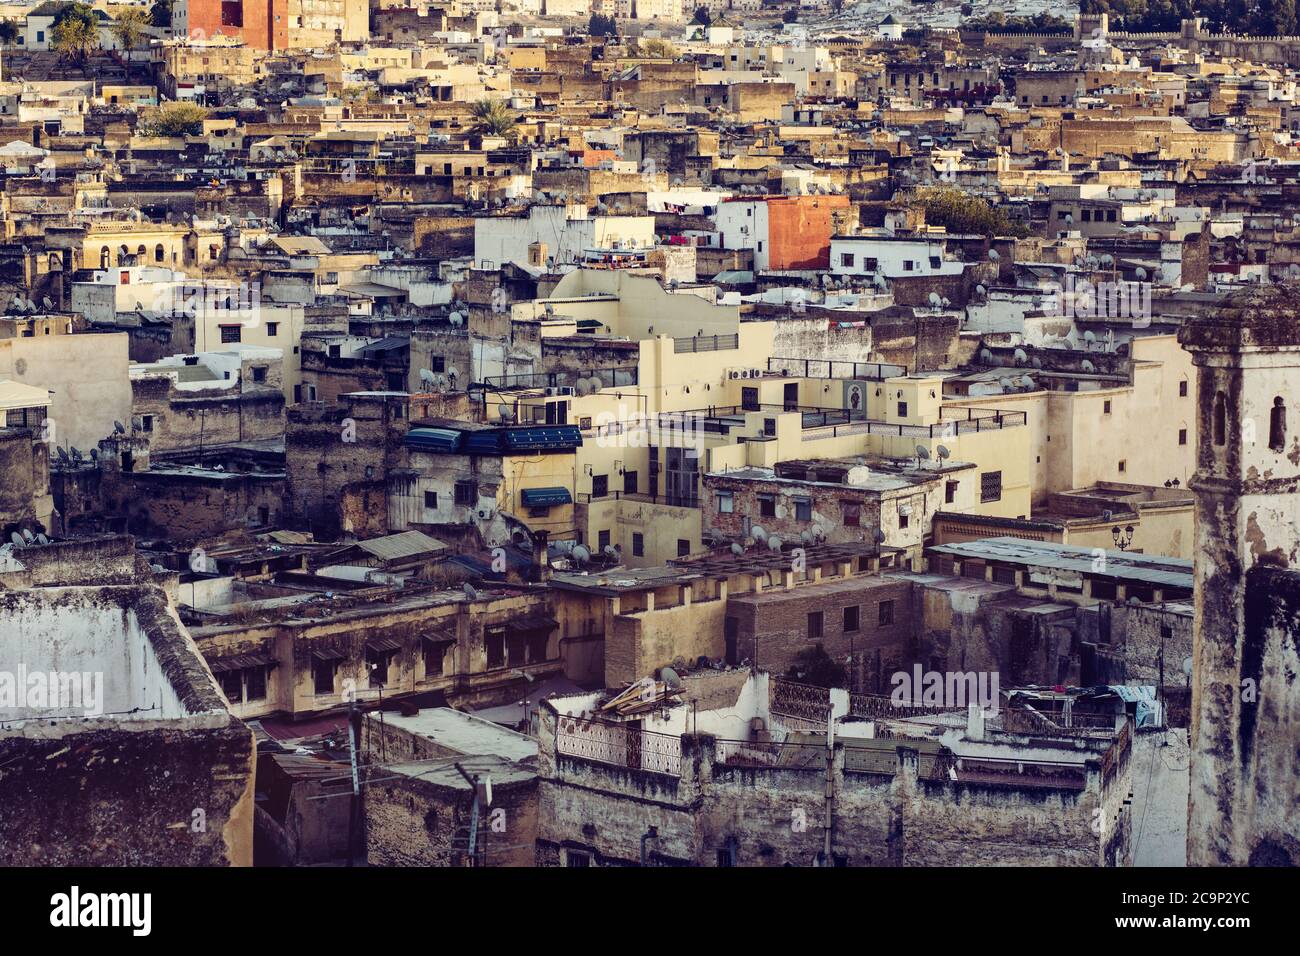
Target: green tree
(702, 16)
(657, 48)
(161, 14)
(493, 117)
(813, 665)
(175, 119)
(8, 32)
(790, 16)
(602, 26)
(129, 27)
(960, 212)
(75, 33)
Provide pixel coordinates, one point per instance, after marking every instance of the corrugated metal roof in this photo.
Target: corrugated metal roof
(1150, 569)
(444, 440)
(405, 544)
(383, 644)
(240, 661)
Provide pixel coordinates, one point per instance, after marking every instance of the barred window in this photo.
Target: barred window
(991, 486)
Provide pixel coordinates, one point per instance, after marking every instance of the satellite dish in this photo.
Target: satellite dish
(993, 255)
(470, 592)
(736, 548)
(505, 412)
(41, 539)
(47, 302)
(1187, 667)
(935, 299)
(922, 452)
(669, 677)
(17, 539)
(943, 452)
(858, 475)
(758, 533)
(581, 554)
(426, 376)
(1020, 356)
(28, 536)
(63, 455)
(1088, 366)
(879, 536)
(774, 543)
(119, 427)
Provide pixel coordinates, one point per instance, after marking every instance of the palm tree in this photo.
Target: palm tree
(494, 118)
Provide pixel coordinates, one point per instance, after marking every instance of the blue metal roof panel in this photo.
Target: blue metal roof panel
(544, 497)
(444, 440)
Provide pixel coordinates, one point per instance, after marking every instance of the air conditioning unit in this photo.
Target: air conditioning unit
(735, 373)
(560, 390)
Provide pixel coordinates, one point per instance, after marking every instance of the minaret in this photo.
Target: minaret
(1245, 719)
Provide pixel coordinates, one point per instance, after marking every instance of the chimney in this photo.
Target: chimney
(541, 562)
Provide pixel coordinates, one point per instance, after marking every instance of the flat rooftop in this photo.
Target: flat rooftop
(464, 733)
(1155, 570)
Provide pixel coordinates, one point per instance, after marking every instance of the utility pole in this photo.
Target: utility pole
(356, 784)
(830, 783)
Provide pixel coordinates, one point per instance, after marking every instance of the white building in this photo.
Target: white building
(891, 257)
(567, 233)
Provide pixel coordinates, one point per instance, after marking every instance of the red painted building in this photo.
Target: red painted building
(263, 24)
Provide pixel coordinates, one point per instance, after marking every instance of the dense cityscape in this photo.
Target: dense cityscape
(611, 433)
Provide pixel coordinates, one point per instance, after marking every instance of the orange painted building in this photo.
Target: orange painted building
(263, 24)
(785, 233)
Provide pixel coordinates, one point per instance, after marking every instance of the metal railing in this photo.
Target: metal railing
(609, 378)
(803, 701)
(618, 745)
(707, 343)
(675, 501)
(831, 368)
(762, 754)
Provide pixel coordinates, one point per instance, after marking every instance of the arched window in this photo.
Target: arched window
(122, 253)
(1277, 425)
(105, 258)
(1220, 418)
(159, 253)
(141, 253)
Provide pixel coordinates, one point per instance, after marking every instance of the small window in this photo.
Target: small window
(599, 486)
(1182, 436)
(259, 373)
(1182, 389)
(851, 615)
(815, 621)
(767, 506)
(323, 676)
(466, 493)
(272, 328)
(990, 486)
(574, 858)
(602, 541)
(683, 547)
(803, 509)
(726, 502)
(950, 492)
(1123, 465)
(1105, 407)
(902, 409)
(886, 615)
(638, 544)
(231, 333)
(146, 423)
(852, 512)
(846, 259)
(431, 500)
(903, 520)
(1220, 418)
(629, 483)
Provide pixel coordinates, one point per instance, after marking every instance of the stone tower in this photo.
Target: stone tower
(1245, 720)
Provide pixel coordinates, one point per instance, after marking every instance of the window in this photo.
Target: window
(254, 683)
(1123, 465)
(1182, 389)
(851, 615)
(908, 265)
(272, 328)
(749, 399)
(574, 858)
(1182, 436)
(803, 509)
(769, 426)
(767, 506)
(435, 657)
(990, 486)
(904, 520)
(495, 641)
(846, 259)
(629, 483)
(950, 492)
(1105, 407)
(146, 423)
(683, 547)
(377, 662)
(815, 620)
(259, 373)
(902, 409)
(603, 540)
(1220, 418)
(1277, 425)
(726, 502)
(599, 486)
(852, 512)
(323, 676)
(870, 265)
(231, 333)
(886, 614)
(638, 544)
(431, 500)
(466, 493)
